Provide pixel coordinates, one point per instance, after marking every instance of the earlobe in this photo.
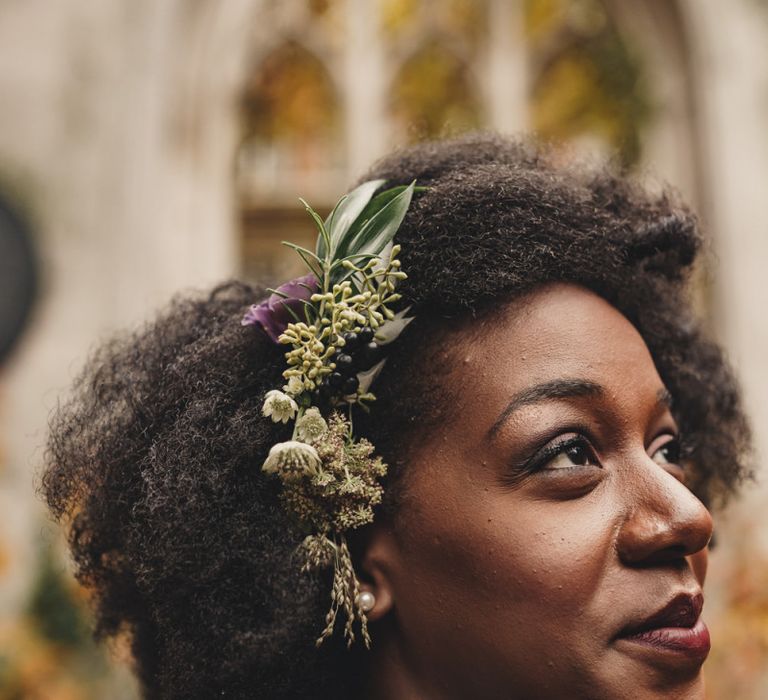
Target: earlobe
(375, 606)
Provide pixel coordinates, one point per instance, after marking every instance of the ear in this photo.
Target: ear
(378, 554)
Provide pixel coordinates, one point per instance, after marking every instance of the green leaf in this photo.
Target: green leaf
(292, 312)
(319, 223)
(310, 312)
(380, 229)
(376, 204)
(298, 248)
(344, 214)
(361, 258)
(309, 258)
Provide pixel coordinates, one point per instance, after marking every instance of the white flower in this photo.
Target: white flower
(294, 386)
(311, 425)
(291, 460)
(279, 406)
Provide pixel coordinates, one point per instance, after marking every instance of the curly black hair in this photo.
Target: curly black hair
(153, 464)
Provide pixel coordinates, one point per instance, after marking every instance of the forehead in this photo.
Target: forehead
(558, 332)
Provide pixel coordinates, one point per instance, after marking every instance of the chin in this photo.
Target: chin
(640, 680)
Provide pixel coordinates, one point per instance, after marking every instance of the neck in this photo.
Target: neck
(390, 676)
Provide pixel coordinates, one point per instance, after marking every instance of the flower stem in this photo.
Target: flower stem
(296, 422)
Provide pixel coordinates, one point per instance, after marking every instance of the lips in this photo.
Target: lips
(682, 611)
(675, 629)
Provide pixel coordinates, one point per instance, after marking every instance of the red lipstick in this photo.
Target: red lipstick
(675, 629)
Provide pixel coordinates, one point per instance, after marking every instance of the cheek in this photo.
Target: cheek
(545, 555)
(502, 554)
(501, 580)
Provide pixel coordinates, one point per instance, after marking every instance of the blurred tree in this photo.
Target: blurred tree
(432, 94)
(48, 653)
(463, 20)
(53, 609)
(586, 80)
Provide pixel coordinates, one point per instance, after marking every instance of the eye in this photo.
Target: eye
(574, 452)
(564, 468)
(669, 456)
(668, 453)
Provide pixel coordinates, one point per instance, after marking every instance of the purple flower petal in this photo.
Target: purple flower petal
(274, 314)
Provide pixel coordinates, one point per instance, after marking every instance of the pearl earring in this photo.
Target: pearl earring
(366, 601)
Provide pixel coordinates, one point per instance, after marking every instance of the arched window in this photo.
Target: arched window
(431, 94)
(290, 122)
(347, 80)
(433, 50)
(291, 133)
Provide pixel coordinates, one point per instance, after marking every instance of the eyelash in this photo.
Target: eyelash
(551, 451)
(676, 449)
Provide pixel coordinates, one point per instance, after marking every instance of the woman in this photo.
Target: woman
(554, 422)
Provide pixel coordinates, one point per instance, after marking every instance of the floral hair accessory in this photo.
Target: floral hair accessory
(336, 322)
(274, 314)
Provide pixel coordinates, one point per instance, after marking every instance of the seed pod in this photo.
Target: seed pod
(371, 353)
(351, 341)
(344, 363)
(365, 336)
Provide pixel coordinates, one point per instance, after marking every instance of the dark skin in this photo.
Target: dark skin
(545, 515)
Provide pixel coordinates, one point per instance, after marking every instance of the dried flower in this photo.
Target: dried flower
(317, 552)
(342, 495)
(279, 406)
(292, 460)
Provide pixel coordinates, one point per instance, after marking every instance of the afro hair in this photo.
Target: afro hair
(153, 463)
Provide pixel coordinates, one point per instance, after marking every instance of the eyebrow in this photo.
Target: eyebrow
(664, 398)
(547, 391)
(560, 389)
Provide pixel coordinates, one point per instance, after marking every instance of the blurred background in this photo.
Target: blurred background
(148, 146)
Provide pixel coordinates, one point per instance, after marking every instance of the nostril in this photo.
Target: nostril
(677, 551)
(668, 556)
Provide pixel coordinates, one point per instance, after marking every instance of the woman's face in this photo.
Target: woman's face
(547, 546)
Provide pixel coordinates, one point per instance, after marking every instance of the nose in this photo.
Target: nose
(664, 521)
